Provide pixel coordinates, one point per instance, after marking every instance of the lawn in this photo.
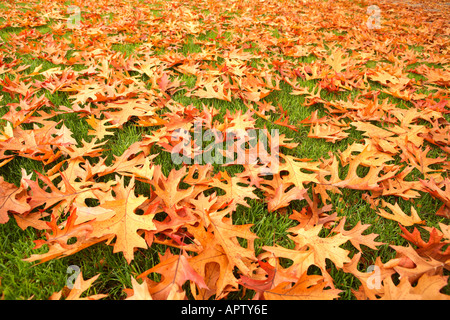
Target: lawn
(261, 149)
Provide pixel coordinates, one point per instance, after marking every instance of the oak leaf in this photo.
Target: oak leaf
(308, 287)
(125, 223)
(227, 235)
(399, 215)
(212, 263)
(175, 271)
(322, 248)
(432, 248)
(12, 199)
(139, 291)
(79, 287)
(356, 235)
(409, 264)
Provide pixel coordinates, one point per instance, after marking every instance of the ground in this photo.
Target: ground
(116, 180)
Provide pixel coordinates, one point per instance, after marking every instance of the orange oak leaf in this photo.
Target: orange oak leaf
(227, 235)
(433, 248)
(235, 192)
(125, 223)
(78, 288)
(427, 288)
(139, 291)
(212, 263)
(68, 232)
(175, 271)
(273, 276)
(436, 191)
(296, 171)
(12, 199)
(308, 287)
(322, 248)
(356, 235)
(371, 280)
(409, 264)
(399, 215)
(283, 198)
(168, 189)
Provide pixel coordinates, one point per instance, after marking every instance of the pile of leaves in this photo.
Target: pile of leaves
(85, 196)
